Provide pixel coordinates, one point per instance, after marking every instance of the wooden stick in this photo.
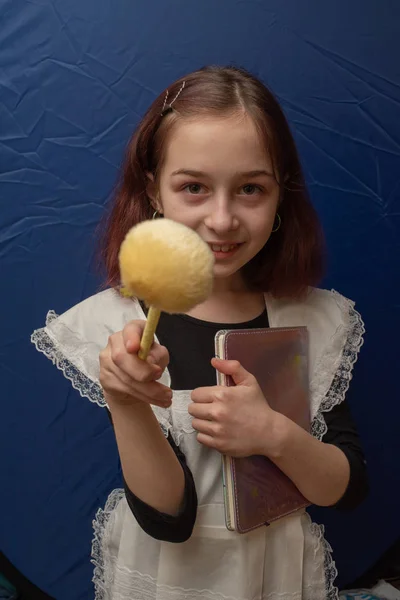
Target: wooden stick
(148, 334)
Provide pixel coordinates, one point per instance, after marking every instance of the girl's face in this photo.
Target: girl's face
(217, 179)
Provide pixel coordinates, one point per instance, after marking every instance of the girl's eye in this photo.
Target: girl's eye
(193, 188)
(250, 189)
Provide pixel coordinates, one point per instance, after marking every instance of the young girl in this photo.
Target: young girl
(215, 152)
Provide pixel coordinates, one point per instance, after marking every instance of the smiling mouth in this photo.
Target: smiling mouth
(224, 247)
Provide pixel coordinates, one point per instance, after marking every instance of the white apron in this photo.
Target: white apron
(290, 559)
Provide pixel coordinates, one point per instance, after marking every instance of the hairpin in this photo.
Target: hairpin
(168, 107)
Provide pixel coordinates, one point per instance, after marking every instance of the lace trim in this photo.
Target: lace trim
(182, 421)
(102, 574)
(336, 394)
(113, 582)
(138, 585)
(86, 387)
(341, 381)
(163, 416)
(331, 572)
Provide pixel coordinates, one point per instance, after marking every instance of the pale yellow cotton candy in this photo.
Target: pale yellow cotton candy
(167, 265)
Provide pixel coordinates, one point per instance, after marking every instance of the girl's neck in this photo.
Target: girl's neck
(230, 306)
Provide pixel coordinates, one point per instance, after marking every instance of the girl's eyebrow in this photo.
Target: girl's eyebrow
(190, 172)
(194, 173)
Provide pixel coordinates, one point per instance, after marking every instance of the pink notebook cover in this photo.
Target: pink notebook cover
(257, 492)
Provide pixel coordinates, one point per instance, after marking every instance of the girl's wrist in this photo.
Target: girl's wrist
(125, 404)
(275, 433)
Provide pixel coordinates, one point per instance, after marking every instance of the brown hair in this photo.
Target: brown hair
(292, 259)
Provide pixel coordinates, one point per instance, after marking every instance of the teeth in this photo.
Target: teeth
(224, 248)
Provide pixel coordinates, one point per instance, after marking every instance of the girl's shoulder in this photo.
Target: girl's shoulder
(105, 311)
(74, 339)
(336, 333)
(319, 308)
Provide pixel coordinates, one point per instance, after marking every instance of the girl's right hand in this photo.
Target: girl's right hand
(125, 378)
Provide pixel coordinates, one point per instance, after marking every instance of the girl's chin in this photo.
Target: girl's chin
(225, 275)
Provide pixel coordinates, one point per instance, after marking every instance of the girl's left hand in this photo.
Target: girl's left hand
(234, 420)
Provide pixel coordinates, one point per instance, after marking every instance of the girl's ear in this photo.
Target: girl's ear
(152, 193)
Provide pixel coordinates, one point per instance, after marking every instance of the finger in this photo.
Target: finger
(208, 440)
(205, 427)
(132, 334)
(139, 370)
(158, 398)
(234, 369)
(122, 389)
(159, 355)
(147, 388)
(200, 411)
(153, 391)
(207, 394)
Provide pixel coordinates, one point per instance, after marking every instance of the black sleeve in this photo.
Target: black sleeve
(166, 527)
(159, 525)
(342, 433)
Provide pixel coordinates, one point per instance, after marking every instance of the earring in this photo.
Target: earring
(157, 214)
(278, 225)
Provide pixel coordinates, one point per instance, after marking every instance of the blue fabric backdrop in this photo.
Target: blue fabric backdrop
(75, 77)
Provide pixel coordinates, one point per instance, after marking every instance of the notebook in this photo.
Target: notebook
(256, 491)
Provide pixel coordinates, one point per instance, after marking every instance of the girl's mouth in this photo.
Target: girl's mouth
(224, 250)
